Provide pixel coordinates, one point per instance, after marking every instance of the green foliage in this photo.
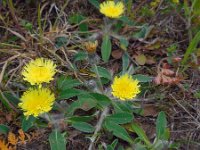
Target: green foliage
(106, 48)
(196, 6)
(83, 126)
(125, 62)
(69, 93)
(27, 123)
(57, 140)
(144, 32)
(124, 43)
(126, 21)
(161, 125)
(140, 132)
(102, 100)
(118, 131)
(103, 72)
(120, 118)
(8, 98)
(61, 41)
(95, 3)
(84, 108)
(77, 19)
(142, 78)
(162, 135)
(4, 129)
(79, 118)
(191, 48)
(81, 55)
(84, 102)
(123, 107)
(66, 82)
(113, 145)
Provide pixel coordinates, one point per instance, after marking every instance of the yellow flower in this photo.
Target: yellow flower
(91, 46)
(36, 101)
(39, 71)
(112, 9)
(125, 87)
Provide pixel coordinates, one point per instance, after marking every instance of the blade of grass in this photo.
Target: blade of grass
(191, 48)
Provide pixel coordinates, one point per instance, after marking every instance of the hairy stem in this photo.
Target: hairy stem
(98, 127)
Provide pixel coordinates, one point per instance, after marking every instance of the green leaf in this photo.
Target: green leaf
(57, 140)
(126, 21)
(103, 72)
(4, 102)
(160, 144)
(139, 146)
(120, 118)
(101, 99)
(27, 123)
(118, 131)
(191, 48)
(161, 125)
(124, 43)
(66, 82)
(95, 3)
(4, 129)
(87, 102)
(79, 118)
(140, 132)
(81, 55)
(125, 62)
(76, 19)
(196, 6)
(83, 126)
(84, 102)
(144, 32)
(61, 41)
(113, 145)
(123, 107)
(69, 93)
(142, 78)
(106, 48)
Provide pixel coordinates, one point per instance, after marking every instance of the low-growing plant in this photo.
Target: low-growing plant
(104, 103)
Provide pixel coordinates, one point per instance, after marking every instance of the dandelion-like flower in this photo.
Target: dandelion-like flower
(39, 71)
(91, 46)
(36, 101)
(125, 87)
(112, 9)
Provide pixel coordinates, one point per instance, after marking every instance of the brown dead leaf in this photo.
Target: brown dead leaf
(167, 72)
(117, 54)
(9, 117)
(176, 59)
(115, 67)
(150, 110)
(150, 60)
(22, 136)
(164, 79)
(153, 46)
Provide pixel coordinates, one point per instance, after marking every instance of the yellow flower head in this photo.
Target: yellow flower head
(36, 101)
(39, 71)
(125, 88)
(112, 9)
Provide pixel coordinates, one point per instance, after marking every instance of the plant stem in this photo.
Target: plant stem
(98, 78)
(98, 127)
(103, 114)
